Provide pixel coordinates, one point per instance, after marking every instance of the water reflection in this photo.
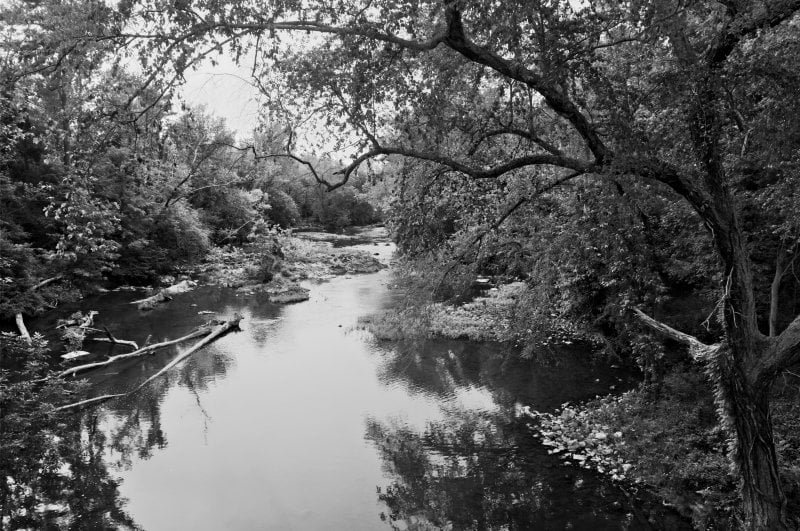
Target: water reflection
(265, 429)
(103, 443)
(85, 495)
(440, 368)
(478, 467)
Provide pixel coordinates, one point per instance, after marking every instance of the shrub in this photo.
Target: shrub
(183, 234)
(283, 210)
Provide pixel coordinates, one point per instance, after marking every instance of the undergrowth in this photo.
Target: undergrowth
(668, 440)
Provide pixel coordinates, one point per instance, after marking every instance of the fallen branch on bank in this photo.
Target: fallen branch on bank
(210, 333)
(165, 294)
(20, 320)
(697, 349)
(23, 331)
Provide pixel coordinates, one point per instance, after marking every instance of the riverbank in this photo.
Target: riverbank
(668, 440)
(279, 268)
(663, 439)
(488, 317)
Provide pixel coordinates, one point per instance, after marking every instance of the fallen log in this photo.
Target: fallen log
(75, 354)
(136, 353)
(165, 294)
(211, 335)
(114, 340)
(220, 330)
(23, 331)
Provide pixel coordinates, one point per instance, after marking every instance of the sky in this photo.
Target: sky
(225, 91)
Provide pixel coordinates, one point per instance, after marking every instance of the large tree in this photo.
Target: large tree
(691, 97)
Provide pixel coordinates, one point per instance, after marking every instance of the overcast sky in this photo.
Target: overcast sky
(225, 91)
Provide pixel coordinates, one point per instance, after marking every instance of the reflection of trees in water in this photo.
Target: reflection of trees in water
(439, 367)
(485, 471)
(129, 428)
(140, 430)
(470, 472)
(99, 441)
(85, 495)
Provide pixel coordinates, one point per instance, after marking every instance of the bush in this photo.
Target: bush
(183, 234)
(283, 210)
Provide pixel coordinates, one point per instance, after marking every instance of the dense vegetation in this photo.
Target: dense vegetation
(100, 178)
(626, 160)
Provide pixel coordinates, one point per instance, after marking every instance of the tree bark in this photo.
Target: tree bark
(774, 292)
(23, 330)
(743, 406)
(746, 415)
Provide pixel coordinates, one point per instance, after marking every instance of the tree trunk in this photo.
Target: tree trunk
(746, 416)
(742, 398)
(775, 291)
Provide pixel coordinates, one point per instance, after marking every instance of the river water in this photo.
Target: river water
(301, 422)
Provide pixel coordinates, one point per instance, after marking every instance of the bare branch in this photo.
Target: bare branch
(785, 351)
(698, 350)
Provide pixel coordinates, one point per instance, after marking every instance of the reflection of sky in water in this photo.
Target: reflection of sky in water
(293, 422)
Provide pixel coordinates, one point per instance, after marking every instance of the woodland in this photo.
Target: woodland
(635, 165)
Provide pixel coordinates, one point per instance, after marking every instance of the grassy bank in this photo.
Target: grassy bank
(665, 439)
(278, 268)
(486, 318)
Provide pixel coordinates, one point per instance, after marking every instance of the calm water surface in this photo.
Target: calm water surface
(301, 422)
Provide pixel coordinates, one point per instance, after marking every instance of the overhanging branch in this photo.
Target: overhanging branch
(494, 172)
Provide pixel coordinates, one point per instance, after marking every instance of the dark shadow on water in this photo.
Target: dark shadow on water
(480, 471)
(439, 366)
(480, 467)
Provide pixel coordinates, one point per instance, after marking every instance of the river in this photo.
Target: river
(302, 422)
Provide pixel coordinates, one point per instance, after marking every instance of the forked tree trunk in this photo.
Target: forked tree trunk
(746, 417)
(743, 406)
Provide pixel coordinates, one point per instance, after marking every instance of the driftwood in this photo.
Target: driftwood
(135, 354)
(78, 320)
(211, 334)
(218, 331)
(75, 354)
(23, 330)
(114, 340)
(165, 294)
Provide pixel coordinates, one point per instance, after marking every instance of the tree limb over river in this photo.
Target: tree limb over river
(212, 331)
